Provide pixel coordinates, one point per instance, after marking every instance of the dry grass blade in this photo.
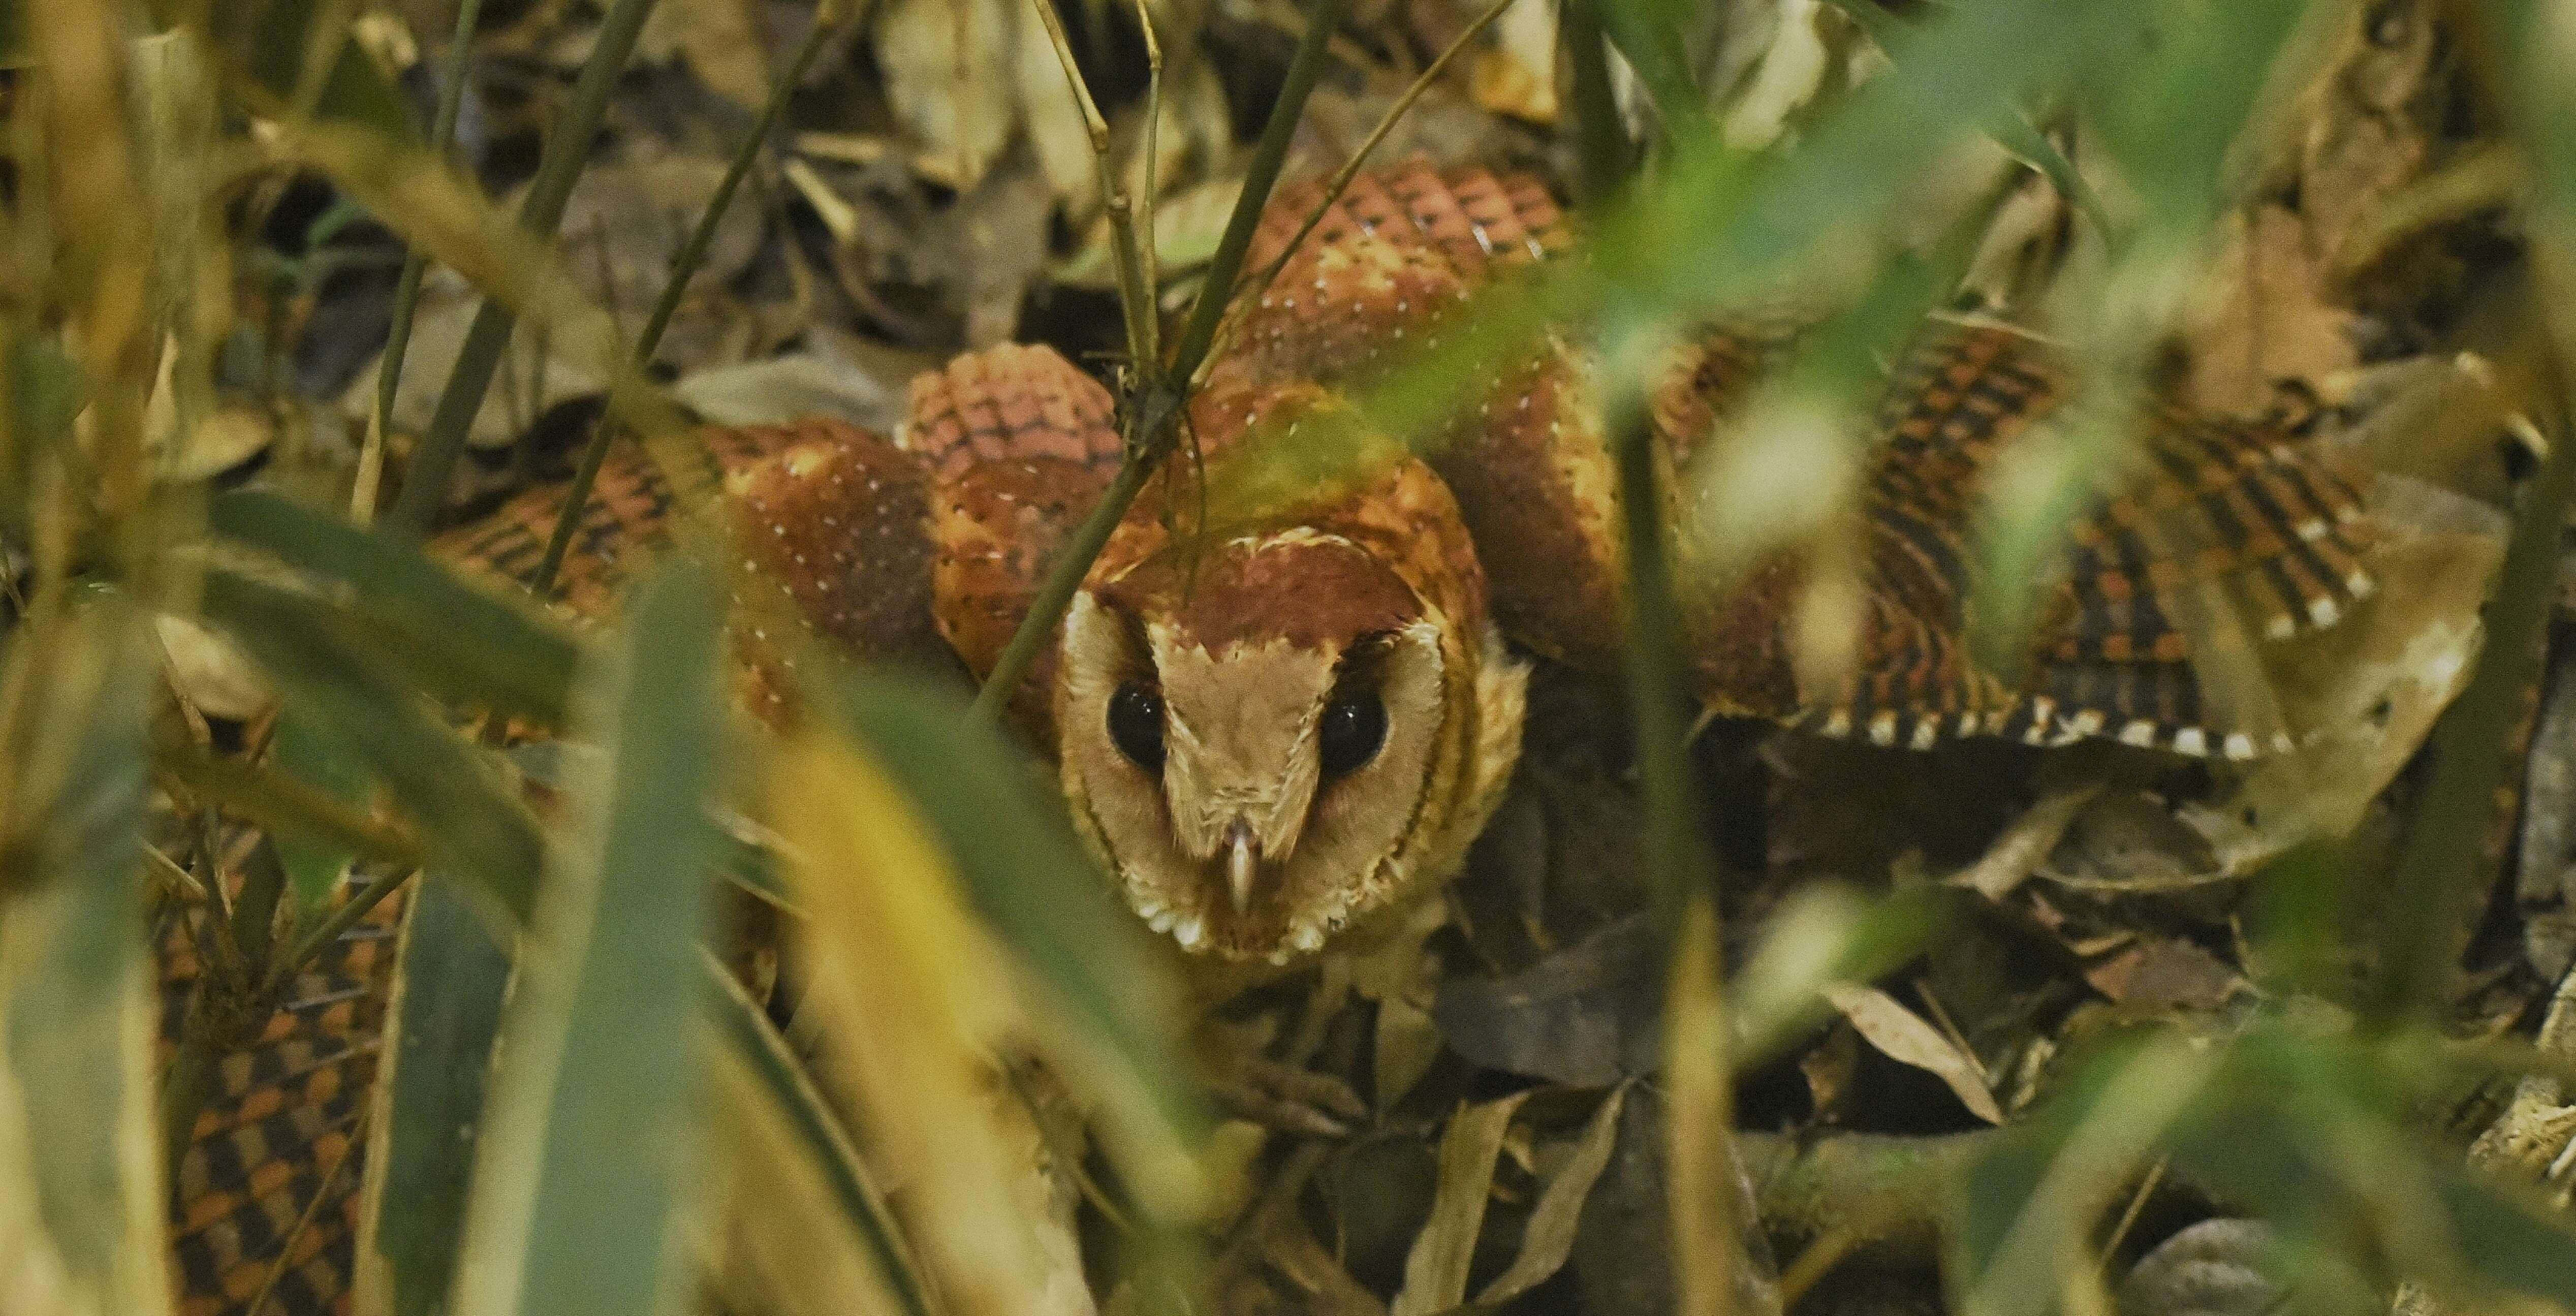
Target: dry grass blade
(1148, 241)
(771, 1116)
(1136, 293)
(897, 958)
(1708, 1212)
(1435, 1271)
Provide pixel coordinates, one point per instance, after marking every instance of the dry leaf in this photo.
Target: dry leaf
(2165, 973)
(721, 41)
(2214, 1268)
(2017, 852)
(1791, 73)
(951, 71)
(1905, 1038)
(2371, 686)
(1187, 226)
(209, 672)
(1055, 123)
(1435, 1271)
(1548, 1238)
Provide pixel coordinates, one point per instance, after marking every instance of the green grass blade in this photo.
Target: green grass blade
(472, 646)
(2508, 1239)
(567, 149)
(1649, 34)
(592, 1124)
(73, 1010)
(313, 871)
(467, 816)
(428, 1113)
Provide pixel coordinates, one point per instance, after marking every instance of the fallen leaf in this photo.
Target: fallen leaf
(1516, 73)
(950, 74)
(1055, 123)
(1548, 1238)
(1905, 1038)
(807, 383)
(1585, 1016)
(2013, 856)
(2214, 1268)
(720, 39)
(2166, 973)
(1435, 1272)
(210, 672)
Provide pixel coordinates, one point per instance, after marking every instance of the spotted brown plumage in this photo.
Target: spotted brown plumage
(1019, 446)
(1198, 680)
(2216, 537)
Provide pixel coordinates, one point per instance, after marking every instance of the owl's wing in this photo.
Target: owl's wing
(1019, 446)
(2218, 537)
(834, 522)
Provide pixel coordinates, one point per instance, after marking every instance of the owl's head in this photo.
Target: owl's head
(1294, 732)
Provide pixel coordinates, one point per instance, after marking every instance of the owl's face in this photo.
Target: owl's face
(1281, 741)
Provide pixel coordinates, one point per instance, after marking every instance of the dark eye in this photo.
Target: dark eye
(1354, 727)
(1136, 724)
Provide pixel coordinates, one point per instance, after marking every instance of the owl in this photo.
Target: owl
(1278, 733)
(1281, 732)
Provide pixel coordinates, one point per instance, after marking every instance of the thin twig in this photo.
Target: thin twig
(1818, 1261)
(442, 137)
(2146, 1188)
(1145, 250)
(310, 946)
(1135, 296)
(684, 265)
(1153, 416)
(568, 138)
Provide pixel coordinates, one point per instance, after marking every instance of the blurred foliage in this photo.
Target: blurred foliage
(905, 1126)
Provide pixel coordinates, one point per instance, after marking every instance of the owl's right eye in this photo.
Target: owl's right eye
(1136, 724)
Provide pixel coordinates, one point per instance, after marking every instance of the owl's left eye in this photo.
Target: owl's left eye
(1136, 724)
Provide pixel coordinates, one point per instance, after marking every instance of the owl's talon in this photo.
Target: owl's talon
(1283, 1097)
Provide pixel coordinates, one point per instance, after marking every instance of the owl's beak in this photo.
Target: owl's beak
(1242, 860)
